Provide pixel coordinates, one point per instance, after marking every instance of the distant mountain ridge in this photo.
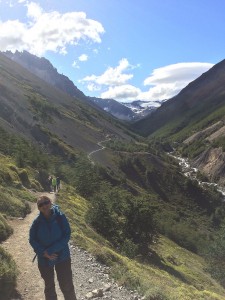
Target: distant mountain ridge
(46, 71)
(199, 97)
(143, 108)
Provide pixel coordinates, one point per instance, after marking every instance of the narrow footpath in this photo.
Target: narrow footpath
(100, 149)
(91, 279)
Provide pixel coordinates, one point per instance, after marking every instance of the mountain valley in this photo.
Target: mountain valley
(128, 204)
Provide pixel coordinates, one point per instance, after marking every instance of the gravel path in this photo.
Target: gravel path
(90, 276)
(91, 279)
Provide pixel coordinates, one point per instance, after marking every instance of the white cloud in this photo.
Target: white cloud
(177, 72)
(83, 57)
(48, 31)
(34, 11)
(11, 38)
(167, 81)
(92, 87)
(75, 65)
(164, 82)
(121, 92)
(161, 92)
(112, 76)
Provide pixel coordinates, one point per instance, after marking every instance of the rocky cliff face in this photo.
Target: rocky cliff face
(45, 70)
(212, 163)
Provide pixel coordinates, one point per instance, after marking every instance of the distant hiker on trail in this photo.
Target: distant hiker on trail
(57, 183)
(49, 237)
(50, 182)
(54, 184)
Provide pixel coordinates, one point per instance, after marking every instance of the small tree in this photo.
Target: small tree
(86, 178)
(140, 224)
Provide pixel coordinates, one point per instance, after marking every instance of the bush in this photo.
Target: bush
(12, 206)
(125, 220)
(8, 275)
(35, 185)
(24, 178)
(5, 229)
(129, 248)
(6, 176)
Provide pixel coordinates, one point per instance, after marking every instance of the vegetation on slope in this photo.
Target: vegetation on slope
(179, 129)
(133, 212)
(170, 272)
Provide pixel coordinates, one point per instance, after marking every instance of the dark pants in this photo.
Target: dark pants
(65, 279)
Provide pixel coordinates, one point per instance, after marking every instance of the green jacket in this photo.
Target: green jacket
(54, 181)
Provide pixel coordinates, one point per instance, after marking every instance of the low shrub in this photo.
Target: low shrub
(24, 178)
(5, 229)
(8, 275)
(13, 206)
(129, 248)
(35, 185)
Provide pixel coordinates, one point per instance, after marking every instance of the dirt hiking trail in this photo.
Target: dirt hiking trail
(29, 284)
(91, 279)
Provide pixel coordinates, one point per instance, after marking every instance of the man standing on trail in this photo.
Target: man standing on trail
(49, 237)
(54, 184)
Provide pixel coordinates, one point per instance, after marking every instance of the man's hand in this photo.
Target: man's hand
(50, 257)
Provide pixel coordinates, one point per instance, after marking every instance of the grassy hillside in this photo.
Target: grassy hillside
(170, 272)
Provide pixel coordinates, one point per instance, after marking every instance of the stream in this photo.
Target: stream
(191, 173)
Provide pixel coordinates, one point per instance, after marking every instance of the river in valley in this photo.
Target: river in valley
(191, 172)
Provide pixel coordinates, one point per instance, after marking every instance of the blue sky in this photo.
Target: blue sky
(120, 49)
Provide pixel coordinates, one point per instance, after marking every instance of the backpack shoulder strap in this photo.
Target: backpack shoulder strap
(36, 224)
(59, 221)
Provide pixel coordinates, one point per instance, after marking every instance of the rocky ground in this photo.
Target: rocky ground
(91, 279)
